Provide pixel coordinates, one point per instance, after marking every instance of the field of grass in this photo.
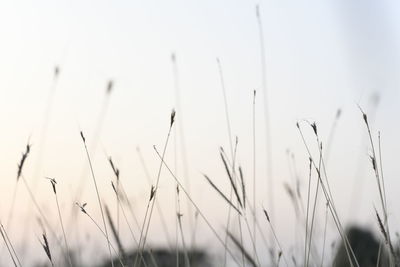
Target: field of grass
(73, 200)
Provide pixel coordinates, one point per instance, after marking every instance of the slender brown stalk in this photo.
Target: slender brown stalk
(275, 237)
(182, 136)
(197, 207)
(222, 194)
(82, 207)
(268, 141)
(159, 209)
(254, 172)
(115, 233)
(172, 120)
(328, 197)
(98, 196)
(53, 184)
(246, 254)
(179, 216)
(9, 246)
(46, 248)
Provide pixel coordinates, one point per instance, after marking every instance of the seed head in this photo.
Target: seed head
(22, 161)
(172, 117)
(83, 137)
(110, 86)
(56, 71)
(152, 192)
(53, 184)
(314, 126)
(266, 215)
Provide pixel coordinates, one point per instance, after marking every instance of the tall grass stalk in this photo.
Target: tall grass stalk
(175, 71)
(82, 207)
(254, 174)
(313, 212)
(197, 208)
(98, 196)
(380, 184)
(179, 216)
(152, 193)
(268, 141)
(9, 246)
(234, 187)
(159, 209)
(129, 226)
(115, 234)
(275, 237)
(229, 131)
(116, 173)
(172, 120)
(331, 206)
(324, 238)
(53, 184)
(44, 218)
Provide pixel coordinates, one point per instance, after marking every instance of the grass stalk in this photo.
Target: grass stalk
(98, 197)
(9, 246)
(53, 184)
(197, 208)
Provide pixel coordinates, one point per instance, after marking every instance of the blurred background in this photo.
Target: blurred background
(320, 57)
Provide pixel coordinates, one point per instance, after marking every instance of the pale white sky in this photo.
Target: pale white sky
(321, 56)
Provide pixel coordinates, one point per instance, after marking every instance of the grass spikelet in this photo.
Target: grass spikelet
(233, 184)
(152, 193)
(243, 186)
(381, 227)
(196, 206)
(238, 244)
(173, 113)
(114, 232)
(46, 248)
(314, 127)
(373, 161)
(22, 161)
(221, 194)
(114, 168)
(266, 215)
(110, 86)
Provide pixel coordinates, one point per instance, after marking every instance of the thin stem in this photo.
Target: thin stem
(98, 198)
(62, 227)
(158, 180)
(3, 234)
(196, 207)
